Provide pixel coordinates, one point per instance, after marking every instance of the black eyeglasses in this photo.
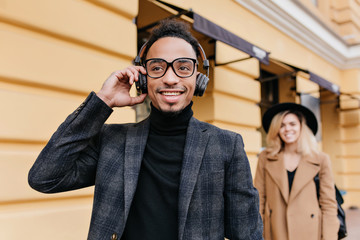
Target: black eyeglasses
(182, 67)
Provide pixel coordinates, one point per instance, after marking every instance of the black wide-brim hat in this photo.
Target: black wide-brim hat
(281, 107)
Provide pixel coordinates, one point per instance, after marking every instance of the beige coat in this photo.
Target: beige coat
(297, 216)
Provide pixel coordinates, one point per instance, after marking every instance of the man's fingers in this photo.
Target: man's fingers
(119, 74)
(130, 74)
(137, 99)
(135, 71)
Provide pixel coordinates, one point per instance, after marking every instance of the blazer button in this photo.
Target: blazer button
(114, 236)
(312, 215)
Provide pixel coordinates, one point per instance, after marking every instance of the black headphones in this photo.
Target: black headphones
(202, 80)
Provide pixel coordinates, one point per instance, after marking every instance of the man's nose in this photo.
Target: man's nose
(170, 77)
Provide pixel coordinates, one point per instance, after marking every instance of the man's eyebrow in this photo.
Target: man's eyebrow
(157, 60)
(185, 59)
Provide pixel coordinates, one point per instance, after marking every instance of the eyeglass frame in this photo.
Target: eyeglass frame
(168, 64)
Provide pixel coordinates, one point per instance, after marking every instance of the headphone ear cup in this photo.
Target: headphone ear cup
(201, 83)
(141, 84)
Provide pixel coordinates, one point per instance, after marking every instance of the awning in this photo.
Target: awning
(201, 25)
(332, 87)
(210, 29)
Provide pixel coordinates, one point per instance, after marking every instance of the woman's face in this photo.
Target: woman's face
(290, 129)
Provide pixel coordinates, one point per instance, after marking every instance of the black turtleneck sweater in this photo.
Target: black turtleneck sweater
(154, 210)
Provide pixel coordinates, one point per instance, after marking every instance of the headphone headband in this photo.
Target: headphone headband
(205, 61)
(139, 56)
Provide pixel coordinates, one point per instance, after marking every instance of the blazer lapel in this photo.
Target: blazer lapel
(276, 169)
(136, 138)
(306, 171)
(196, 141)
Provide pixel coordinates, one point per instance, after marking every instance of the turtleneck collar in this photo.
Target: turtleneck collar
(165, 123)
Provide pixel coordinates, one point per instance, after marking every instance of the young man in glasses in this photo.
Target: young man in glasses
(168, 177)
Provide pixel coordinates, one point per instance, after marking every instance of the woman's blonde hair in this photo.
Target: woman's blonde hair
(307, 144)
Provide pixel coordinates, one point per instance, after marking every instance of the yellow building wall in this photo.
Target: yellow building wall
(349, 118)
(52, 54)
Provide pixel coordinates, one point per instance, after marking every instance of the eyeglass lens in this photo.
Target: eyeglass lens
(183, 67)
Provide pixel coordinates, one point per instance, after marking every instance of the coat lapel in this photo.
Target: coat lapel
(136, 138)
(196, 141)
(306, 171)
(276, 169)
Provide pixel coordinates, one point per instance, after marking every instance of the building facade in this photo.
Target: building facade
(54, 53)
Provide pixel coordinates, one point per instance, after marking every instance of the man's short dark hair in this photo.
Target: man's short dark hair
(172, 28)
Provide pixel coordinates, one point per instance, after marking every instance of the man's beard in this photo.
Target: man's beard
(171, 113)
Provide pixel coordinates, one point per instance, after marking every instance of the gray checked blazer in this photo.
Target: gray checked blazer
(216, 194)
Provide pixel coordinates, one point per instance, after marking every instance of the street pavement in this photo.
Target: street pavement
(352, 218)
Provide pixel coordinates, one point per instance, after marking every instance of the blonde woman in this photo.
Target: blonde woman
(285, 175)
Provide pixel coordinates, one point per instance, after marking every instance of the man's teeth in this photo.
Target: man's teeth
(170, 93)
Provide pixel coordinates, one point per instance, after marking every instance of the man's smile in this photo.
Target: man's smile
(171, 93)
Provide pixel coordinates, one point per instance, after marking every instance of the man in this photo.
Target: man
(167, 177)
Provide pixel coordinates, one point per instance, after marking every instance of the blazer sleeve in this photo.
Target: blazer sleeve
(327, 200)
(69, 159)
(242, 218)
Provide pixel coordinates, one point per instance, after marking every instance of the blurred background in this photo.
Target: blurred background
(54, 53)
